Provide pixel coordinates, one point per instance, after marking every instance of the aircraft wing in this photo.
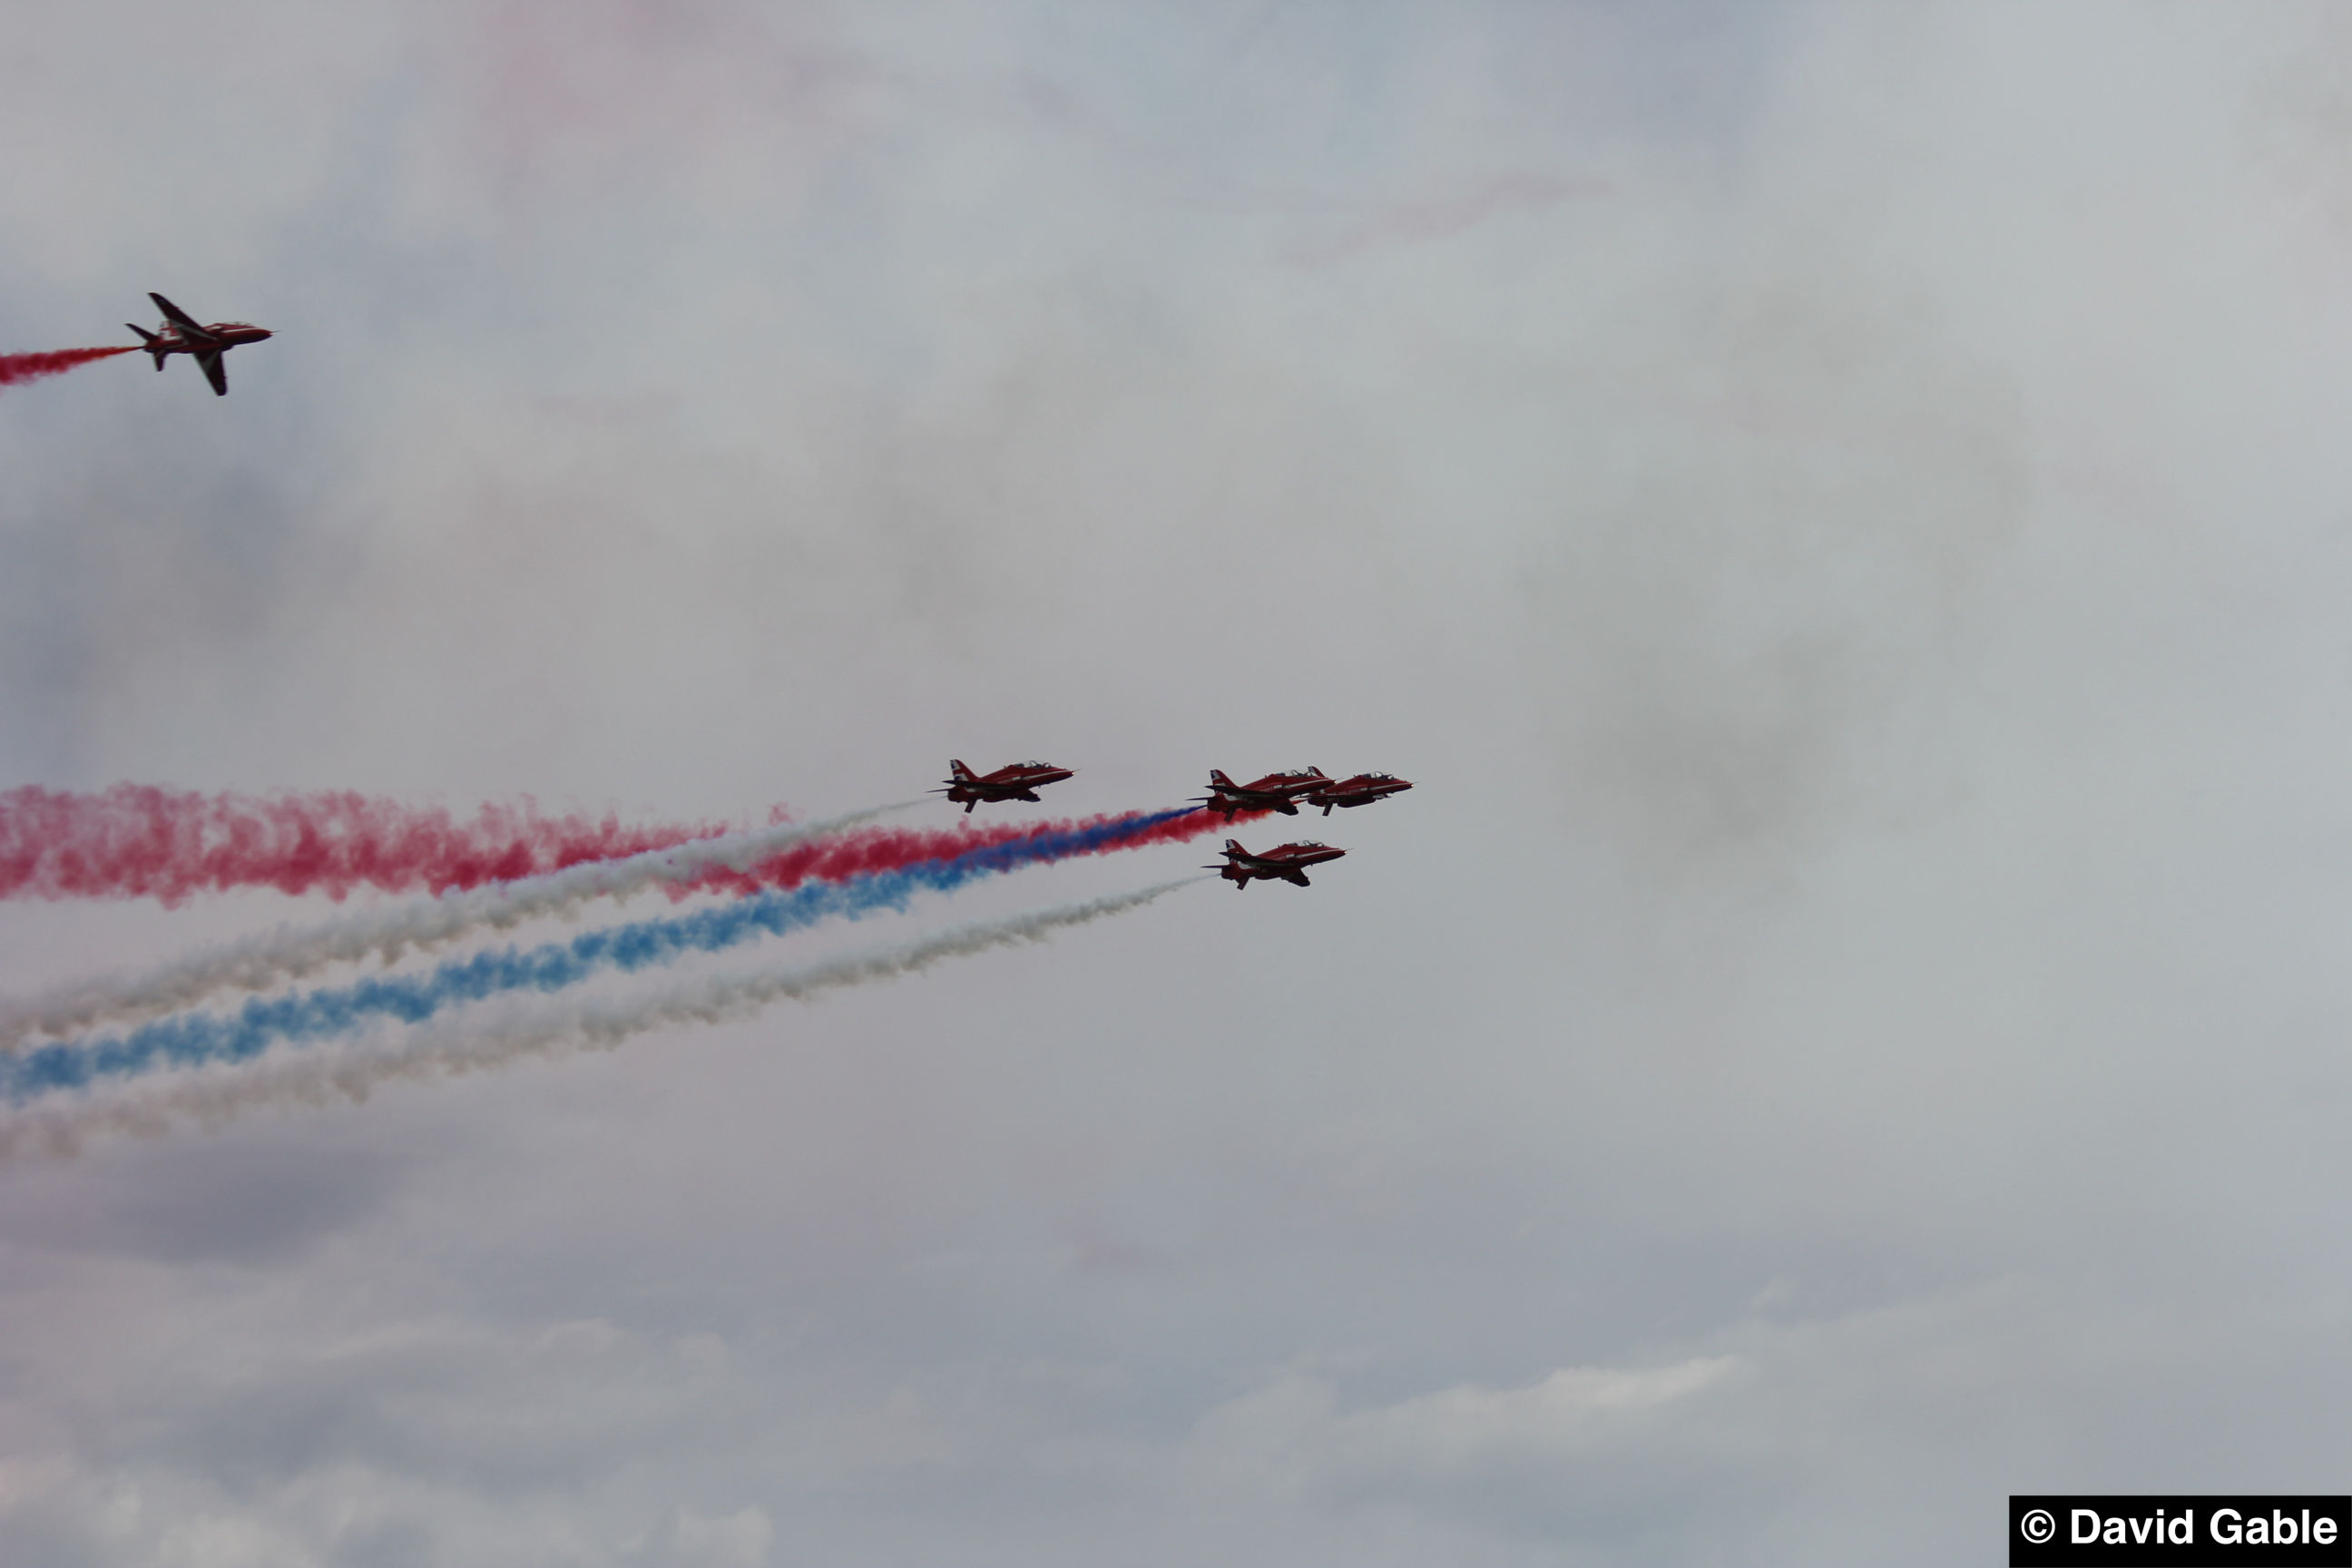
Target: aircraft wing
(173, 312)
(215, 371)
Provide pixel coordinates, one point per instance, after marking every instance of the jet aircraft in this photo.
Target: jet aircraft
(1273, 793)
(1361, 790)
(1019, 782)
(182, 335)
(1287, 861)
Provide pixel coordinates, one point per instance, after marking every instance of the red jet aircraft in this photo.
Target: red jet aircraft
(1287, 861)
(182, 335)
(1273, 793)
(1361, 790)
(1019, 782)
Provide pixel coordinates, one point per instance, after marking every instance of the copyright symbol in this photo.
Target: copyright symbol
(2037, 1526)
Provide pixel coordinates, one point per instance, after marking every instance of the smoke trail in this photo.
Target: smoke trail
(211, 1097)
(192, 1039)
(140, 841)
(890, 850)
(768, 859)
(272, 958)
(14, 368)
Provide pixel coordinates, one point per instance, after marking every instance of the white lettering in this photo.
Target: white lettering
(2225, 1526)
(2323, 1531)
(2140, 1528)
(2079, 1532)
(2183, 1530)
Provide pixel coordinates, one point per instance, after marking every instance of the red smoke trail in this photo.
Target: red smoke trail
(876, 849)
(139, 841)
(14, 368)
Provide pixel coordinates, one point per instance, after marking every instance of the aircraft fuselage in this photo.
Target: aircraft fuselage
(1276, 792)
(1286, 862)
(1361, 790)
(175, 339)
(181, 334)
(1019, 782)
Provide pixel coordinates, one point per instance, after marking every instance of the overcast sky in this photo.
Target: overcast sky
(1842, 509)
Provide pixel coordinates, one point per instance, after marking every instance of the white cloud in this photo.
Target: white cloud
(1292, 1432)
(694, 1541)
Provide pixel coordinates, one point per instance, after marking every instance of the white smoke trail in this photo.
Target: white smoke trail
(289, 953)
(212, 1095)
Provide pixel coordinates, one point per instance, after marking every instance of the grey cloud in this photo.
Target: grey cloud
(252, 1205)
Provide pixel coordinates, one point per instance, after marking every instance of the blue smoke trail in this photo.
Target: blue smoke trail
(194, 1039)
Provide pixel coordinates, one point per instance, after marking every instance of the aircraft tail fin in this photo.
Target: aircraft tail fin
(958, 772)
(1217, 776)
(153, 344)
